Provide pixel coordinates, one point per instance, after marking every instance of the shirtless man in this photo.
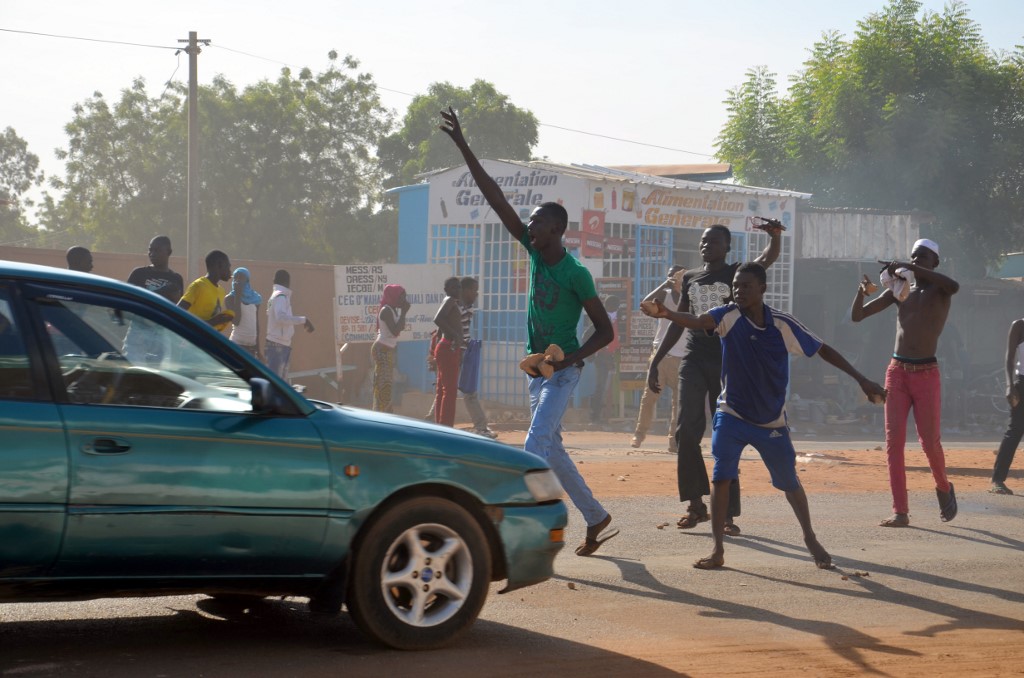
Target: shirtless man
(912, 379)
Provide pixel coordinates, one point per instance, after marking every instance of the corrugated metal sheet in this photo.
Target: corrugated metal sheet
(856, 236)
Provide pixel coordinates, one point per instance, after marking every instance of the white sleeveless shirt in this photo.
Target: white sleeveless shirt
(245, 331)
(384, 334)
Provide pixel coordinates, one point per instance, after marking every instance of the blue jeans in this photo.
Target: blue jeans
(549, 398)
(277, 356)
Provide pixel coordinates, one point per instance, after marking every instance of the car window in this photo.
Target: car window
(112, 356)
(15, 375)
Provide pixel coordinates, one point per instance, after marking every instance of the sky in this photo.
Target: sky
(652, 74)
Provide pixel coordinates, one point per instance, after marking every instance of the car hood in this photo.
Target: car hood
(352, 427)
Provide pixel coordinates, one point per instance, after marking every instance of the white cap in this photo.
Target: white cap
(925, 242)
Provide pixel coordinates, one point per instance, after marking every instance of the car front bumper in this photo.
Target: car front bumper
(532, 537)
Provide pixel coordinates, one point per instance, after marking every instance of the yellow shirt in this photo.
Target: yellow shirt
(205, 300)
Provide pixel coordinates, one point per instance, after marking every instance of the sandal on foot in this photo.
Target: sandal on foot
(999, 488)
(710, 563)
(731, 529)
(589, 546)
(897, 520)
(947, 504)
(692, 518)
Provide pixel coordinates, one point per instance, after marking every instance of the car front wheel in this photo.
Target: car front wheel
(420, 575)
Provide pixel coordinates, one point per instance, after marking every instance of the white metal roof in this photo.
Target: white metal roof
(599, 173)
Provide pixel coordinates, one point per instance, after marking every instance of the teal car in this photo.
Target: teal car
(144, 454)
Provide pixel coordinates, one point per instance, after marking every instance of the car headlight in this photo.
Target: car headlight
(544, 485)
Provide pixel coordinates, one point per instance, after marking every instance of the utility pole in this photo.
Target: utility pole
(192, 220)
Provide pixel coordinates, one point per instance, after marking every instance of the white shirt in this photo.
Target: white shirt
(245, 331)
(384, 335)
(280, 321)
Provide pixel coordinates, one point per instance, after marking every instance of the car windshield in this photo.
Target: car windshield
(112, 356)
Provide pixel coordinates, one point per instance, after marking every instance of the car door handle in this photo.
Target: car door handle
(106, 446)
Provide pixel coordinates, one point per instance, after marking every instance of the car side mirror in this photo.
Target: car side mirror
(264, 398)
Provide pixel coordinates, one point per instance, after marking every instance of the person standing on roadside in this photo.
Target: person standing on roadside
(394, 305)
(700, 369)
(79, 259)
(448, 353)
(204, 298)
(1015, 397)
(922, 297)
(469, 288)
(158, 276)
(142, 344)
(757, 341)
(281, 325)
(244, 302)
(668, 293)
(560, 289)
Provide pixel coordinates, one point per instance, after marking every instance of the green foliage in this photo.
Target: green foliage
(494, 127)
(19, 174)
(287, 168)
(912, 113)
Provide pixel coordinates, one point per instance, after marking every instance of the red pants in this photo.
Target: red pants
(918, 387)
(447, 394)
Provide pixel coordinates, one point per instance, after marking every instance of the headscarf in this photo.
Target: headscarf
(247, 294)
(390, 297)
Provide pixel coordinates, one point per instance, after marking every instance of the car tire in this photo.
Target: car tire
(420, 574)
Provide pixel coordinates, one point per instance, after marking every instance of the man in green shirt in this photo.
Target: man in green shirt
(560, 289)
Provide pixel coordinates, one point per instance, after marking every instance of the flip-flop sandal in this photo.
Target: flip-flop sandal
(947, 510)
(897, 520)
(709, 563)
(731, 529)
(693, 518)
(999, 488)
(589, 546)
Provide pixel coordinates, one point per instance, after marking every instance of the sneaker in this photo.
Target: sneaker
(638, 439)
(485, 432)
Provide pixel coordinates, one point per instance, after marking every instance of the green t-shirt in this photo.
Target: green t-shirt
(556, 300)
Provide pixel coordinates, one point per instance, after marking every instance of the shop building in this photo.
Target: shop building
(626, 227)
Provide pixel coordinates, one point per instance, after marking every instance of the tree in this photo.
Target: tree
(494, 127)
(19, 174)
(287, 167)
(912, 113)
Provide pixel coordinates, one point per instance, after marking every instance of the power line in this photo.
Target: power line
(628, 141)
(380, 87)
(76, 37)
(542, 124)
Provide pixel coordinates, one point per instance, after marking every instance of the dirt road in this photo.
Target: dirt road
(934, 599)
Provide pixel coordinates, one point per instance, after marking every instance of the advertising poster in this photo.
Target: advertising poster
(358, 288)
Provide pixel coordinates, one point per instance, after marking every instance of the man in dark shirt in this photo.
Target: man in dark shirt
(158, 276)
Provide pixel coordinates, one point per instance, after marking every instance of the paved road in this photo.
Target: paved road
(936, 599)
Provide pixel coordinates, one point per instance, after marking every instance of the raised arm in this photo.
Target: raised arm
(771, 252)
(489, 187)
(859, 311)
(387, 316)
(873, 391)
(661, 291)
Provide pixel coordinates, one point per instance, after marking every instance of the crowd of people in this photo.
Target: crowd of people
(207, 300)
(735, 366)
(732, 365)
